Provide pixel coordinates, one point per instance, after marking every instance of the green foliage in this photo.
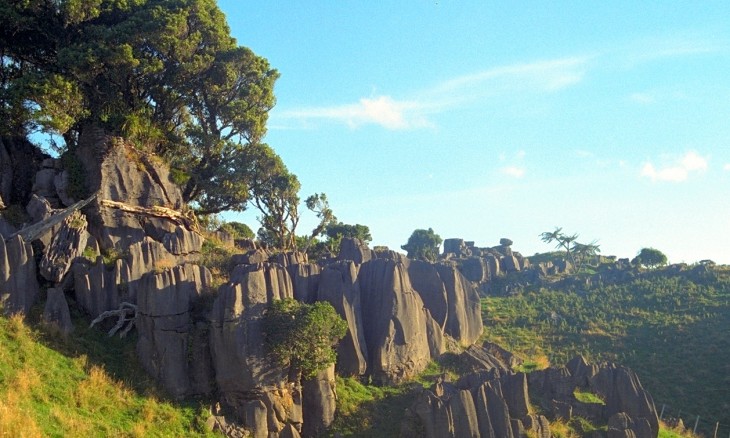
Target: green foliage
(578, 253)
(238, 230)
(669, 327)
(77, 189)
(15, 214)
(423, 244)
(84, 386)
(303, 335)
(588, 397)
(650, 257)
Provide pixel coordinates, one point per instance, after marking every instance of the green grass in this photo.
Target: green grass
(87, 385)
(588, 397)
(672, 329)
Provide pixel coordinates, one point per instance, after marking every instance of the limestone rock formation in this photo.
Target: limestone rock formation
(355, 250)
(67, 243)
(56, 315)
(305, 280)
(339, 285)
(260, 394)
(164, 325)
(464, 322)
(487, 407)
(318, 403)
(394, 322)
(18, 281)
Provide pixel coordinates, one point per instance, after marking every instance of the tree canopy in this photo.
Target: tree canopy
(303, 335)
(577, 253)
(165, 74)
(650, 257)
(423, 244)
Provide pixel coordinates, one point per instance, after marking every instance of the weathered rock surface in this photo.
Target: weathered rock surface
(487, 408)
(67, 244)
(259, 393)
(355, 250)
(18, 282)
(56, 314)
(318, 403)
(426, 280)
(394, 322)
(164, 325)
(464, 322)
(305, 280)
(339, 285)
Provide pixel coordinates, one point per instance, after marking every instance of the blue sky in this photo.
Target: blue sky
(485, 120)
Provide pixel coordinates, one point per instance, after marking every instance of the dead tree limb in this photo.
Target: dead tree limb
(32, 232)
(126, 313)
(180, 218)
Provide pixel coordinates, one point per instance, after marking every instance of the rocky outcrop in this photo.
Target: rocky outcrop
(318, 403)
(488, 407)
(260, 394)
(67, 244)
(355, 250)
(339, 285)
(18, 282)
(56, 315)
(394, 322)
(305, 280)
(464, 322)
(426, 280)
(164, 324)
(617, 386)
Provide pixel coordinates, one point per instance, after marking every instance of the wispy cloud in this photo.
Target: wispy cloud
(677, 169)
(642, 98)
(411, 113)
(726, 167)
(515, 168)
(515, 171)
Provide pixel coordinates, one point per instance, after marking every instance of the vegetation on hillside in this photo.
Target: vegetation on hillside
(670, 327)
(85, 386)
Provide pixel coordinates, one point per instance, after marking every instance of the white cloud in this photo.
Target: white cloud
(676, 170)
(395, 114)
(515, 171)
(642, 98)
(381, 110)
(726, 167)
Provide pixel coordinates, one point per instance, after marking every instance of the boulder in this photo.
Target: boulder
(18, 281)
(475, 269)
(339, 286)
(67, 244)
(464, 321)
(305, 280)
(355, 250)
(318, 403)
(56, 315)
(394, 322)
(164, 325)
(426, 280)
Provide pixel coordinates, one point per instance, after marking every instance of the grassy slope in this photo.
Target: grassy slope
(88, 385)
(673, 330)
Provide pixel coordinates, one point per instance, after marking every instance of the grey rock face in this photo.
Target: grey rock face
(464, 321)
(339, 285)
(164, 325)
(67, 244)
(355, 250)
(481, 410)
(426, 280)
(318, 403)
(394, 321)
(56, 314)
(258, 392)
(18, 282)
(305, 280)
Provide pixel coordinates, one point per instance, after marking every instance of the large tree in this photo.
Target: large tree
(577, 253)
(423, 244)
(164, 74)
(650, 257)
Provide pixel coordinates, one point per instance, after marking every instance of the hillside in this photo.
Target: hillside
(86, 386)
(670, 326)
